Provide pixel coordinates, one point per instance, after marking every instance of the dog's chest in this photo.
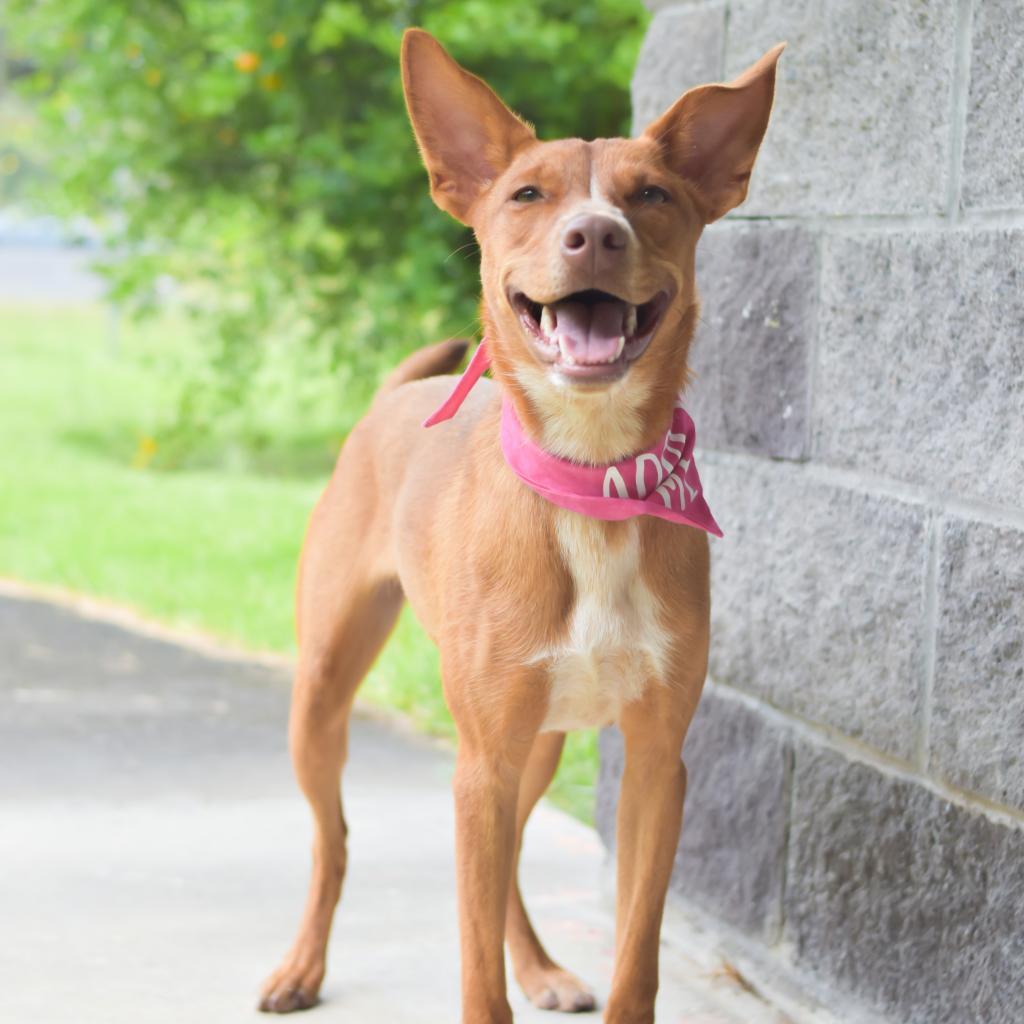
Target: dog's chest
(615, 644)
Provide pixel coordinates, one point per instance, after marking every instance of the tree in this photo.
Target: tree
(257, 153)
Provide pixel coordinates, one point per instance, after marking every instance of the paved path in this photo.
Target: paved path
(50, 274)
(153, 849)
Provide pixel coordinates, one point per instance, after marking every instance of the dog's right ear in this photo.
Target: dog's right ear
(712, 134)
(466, 134)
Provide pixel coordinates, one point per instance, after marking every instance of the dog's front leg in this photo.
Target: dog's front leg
(496, 733)
(485, 820)
(649, 821)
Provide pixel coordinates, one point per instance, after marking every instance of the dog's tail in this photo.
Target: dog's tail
(444, 357)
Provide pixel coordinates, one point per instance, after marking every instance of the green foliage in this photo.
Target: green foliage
(18, 148)
(257, 153)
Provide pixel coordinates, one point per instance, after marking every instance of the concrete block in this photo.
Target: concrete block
(682, 48)
(731, 492)
(977, 732)
(861, 120)
(818, 599)
(920, 363)
(993, 172)
(902, 898)
(613, 758)
(732, 854)
(751, 356)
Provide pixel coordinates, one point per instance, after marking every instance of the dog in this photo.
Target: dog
(563, 576)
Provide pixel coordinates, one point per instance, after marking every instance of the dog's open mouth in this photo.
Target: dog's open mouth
(590, 335)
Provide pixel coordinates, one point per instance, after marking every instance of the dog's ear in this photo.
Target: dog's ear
(712, 134)
(466, 134)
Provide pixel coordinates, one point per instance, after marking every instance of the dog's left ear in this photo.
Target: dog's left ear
(712, 134)
(466, 134)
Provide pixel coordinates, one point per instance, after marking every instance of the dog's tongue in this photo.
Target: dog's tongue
(588, 333)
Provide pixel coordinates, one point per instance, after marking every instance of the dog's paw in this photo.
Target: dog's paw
(551, 988)
(295, 985)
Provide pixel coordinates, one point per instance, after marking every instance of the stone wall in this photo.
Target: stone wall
(856, 806)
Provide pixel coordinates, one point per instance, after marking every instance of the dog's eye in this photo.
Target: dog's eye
(652, 195)
(529, 194)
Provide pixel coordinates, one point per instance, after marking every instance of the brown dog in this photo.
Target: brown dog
(546, 619)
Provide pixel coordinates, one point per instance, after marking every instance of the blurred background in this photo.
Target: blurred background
(215, 237)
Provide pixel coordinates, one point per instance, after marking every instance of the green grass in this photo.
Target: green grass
(211, 544)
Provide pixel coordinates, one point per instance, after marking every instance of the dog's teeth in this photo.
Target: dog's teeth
(629, 327)
(618, 349)
(547, 322)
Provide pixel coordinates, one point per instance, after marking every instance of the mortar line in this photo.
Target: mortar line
(931, 626)
(958, 115)
(690, 5)
(814, 353)
(789, 778)
(723, 57)
(884, 222)
(830, 738)
(989, 513)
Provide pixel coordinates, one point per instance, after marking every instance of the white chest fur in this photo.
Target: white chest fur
(615, 644)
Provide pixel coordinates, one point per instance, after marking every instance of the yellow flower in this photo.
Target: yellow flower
(144, 452)
(271, 82)
(277, 40)
(227, 136)
(9, 163)
(153, 77)
(247, 61)
(133, 51)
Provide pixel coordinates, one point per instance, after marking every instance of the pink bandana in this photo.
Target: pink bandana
(661, 481)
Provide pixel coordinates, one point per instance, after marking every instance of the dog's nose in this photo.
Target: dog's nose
(594, 238)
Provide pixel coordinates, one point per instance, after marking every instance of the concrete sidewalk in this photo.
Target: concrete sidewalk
(154, 849)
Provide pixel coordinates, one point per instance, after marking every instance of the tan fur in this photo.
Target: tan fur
(545, 620)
